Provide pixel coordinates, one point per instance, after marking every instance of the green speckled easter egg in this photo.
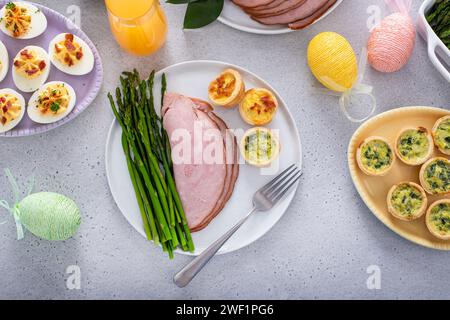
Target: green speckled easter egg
(50, 216)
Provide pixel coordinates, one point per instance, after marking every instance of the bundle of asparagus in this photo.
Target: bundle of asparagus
(439, 19)
(147, 150)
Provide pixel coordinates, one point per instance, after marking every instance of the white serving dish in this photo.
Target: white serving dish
(433, 41)
(191, 78)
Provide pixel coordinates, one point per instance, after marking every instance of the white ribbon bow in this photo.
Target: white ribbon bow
(358, 88)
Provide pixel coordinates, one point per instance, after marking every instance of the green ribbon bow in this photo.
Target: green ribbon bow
(14, 209)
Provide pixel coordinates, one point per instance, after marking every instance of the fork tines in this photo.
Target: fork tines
(278, 187)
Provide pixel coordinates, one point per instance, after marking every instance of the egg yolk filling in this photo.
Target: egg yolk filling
(68, 51)
(440, 218)
(10, 108)
(17, 19)
(437, 176)
(407, 200)
(223, 87)
(29, 64)
(259, 146)
(259, 105)
(376, 155)
(442, 135)
(53, 100)
(413, 144)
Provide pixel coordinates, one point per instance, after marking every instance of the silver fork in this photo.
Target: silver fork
(263, 200)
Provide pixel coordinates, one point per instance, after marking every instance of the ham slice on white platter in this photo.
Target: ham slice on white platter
(252, 3)
(205, 157)
(282, 7)
(305, 10)
(296, 14)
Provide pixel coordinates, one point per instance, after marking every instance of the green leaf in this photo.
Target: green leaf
(202, 12)
(10, 5)
(54, 107)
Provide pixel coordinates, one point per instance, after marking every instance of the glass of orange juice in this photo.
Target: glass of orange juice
(139, 26)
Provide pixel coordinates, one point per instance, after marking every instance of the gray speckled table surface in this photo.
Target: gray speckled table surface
(321, 248)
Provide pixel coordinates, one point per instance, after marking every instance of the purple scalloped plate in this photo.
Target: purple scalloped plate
(86, 87)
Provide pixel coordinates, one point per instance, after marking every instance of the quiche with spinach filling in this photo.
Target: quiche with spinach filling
(438, 219)
(441, 134)
(375, 156)
(407, 201)
(414, 146)
(435, 176)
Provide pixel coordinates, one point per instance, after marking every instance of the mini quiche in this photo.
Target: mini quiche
(260, 147)
(441, 135)
(435, 176)
(258, 107)
(227, 90)
(438, 219)
(375, 156)
(407, 201)
(414, 146)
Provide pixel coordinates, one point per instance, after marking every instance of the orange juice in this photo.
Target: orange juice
(139, 26)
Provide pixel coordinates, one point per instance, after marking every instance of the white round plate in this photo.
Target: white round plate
(233, 16)
(192, 79)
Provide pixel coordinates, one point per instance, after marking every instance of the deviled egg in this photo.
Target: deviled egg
(52, 102)
(71, 55)
(22, 20)
(31, 68)
(4, 61)
(12, 109)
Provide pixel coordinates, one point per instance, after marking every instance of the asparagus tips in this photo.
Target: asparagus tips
(146, 146)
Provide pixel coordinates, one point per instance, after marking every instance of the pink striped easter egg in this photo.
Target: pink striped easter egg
(391, 43)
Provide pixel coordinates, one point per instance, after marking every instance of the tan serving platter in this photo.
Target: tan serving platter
(374, 190)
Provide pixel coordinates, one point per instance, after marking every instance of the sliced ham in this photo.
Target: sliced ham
(204, 188)
(199, 184)
(285, 6)
(252, 3)
(271, 5)
(305, 10)
(231, 156)
(303, 23)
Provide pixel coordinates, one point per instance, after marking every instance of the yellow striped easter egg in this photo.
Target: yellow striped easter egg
(332, 61)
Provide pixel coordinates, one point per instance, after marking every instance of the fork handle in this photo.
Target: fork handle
(185, 275)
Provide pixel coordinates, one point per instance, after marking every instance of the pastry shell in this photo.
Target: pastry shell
(430, 227)
(255, 120)
(422, 179)
(275, 153)
(433, 132)
(237, 94)
(420, 160)
(398, 215)
(361, 165)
